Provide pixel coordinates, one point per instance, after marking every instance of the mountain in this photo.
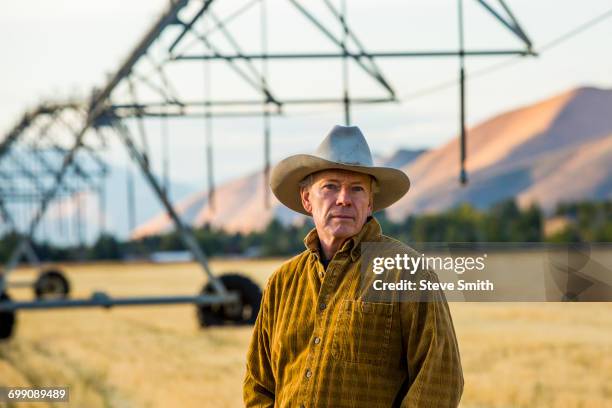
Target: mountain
(401, 158)
(237, 206)
(556, 150)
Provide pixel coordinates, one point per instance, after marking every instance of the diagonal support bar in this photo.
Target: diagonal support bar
(510, 25)
(339, 43)
(184, 233)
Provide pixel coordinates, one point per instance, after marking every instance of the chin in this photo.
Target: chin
(344, 231)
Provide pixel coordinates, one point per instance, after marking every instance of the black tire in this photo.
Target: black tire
(250, 300)
(51, 284)
(7, 320)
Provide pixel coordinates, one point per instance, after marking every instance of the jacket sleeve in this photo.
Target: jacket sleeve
(259, 383)
(432, 352)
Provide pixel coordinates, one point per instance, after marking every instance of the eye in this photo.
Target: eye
(358, 189)
(330, 186)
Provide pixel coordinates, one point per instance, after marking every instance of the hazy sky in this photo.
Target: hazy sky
(57, 48)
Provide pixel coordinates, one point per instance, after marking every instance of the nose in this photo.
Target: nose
(344, 197)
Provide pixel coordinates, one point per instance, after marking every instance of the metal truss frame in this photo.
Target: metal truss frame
(102, 112)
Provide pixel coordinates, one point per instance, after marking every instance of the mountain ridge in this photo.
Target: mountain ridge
(554, 150)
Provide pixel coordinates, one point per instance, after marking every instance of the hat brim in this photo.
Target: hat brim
(287, 174)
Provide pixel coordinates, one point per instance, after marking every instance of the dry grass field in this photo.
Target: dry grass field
(514, 355)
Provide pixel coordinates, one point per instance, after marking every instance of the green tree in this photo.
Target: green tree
(528, 226)
(105, 247)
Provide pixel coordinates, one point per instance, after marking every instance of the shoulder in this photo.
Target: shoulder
(390, 245)
(282, 280)
(288, 271)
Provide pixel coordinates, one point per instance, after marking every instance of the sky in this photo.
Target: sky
(63, 48)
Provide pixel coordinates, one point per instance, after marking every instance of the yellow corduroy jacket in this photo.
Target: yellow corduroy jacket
(318, 343)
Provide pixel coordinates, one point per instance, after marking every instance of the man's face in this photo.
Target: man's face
(340, 202)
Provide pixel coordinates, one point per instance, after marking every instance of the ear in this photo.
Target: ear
(305, 196)
(371, 204)
(372, 193)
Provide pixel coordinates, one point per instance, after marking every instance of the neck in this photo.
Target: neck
(330, 245)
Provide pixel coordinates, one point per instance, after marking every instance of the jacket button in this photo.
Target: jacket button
(322, 306)
(308, 373)
(317, 340)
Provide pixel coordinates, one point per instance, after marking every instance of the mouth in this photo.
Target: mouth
(343, 217)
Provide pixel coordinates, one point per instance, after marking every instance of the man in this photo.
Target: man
(318, 341)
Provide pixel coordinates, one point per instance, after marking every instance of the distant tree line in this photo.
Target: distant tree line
(592, 222)
(504, 222)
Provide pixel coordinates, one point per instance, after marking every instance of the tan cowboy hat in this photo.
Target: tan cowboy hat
(344, 148)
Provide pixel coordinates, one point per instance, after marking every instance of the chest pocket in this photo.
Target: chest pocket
(362, 332)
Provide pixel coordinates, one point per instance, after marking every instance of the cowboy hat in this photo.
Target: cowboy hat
(344, 148)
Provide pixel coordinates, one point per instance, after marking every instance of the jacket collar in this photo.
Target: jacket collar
(370, 230)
